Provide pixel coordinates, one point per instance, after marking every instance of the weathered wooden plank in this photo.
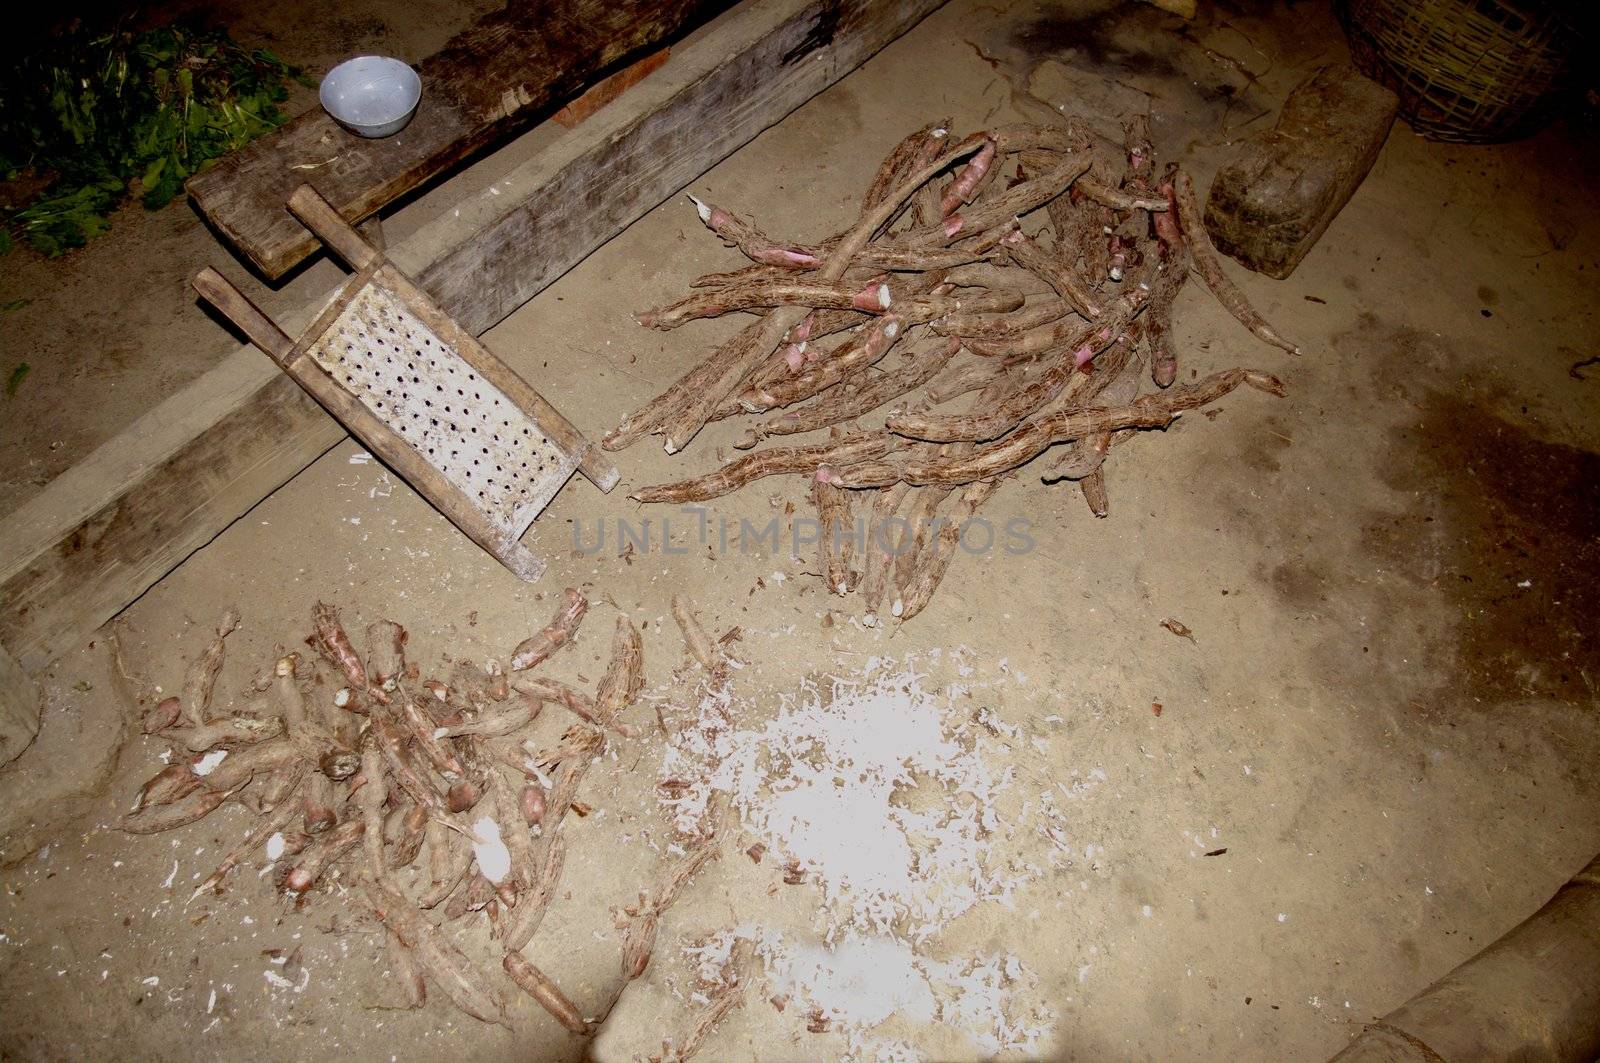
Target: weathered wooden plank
(105, 531)
(174, 507)
(492, 78)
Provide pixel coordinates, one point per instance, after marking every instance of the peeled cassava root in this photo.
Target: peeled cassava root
(442, 800)
(1048, 274)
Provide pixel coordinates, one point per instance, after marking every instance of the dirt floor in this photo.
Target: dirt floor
(1370, 760)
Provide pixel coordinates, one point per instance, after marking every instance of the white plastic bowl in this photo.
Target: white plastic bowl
(371, 95)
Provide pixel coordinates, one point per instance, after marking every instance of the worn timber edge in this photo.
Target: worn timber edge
(20, 705)
(105, 531)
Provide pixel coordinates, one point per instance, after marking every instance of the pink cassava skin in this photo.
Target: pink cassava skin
(959, 192)
(867, 348)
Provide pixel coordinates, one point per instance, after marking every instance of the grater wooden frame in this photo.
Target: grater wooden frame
(497, 526)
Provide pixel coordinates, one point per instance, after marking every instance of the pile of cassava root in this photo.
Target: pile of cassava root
(949, 266)
(428, 797)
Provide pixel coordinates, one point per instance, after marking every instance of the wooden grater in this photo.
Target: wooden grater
(423, 394)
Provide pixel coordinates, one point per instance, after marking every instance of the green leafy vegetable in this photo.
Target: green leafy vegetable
(116, 113)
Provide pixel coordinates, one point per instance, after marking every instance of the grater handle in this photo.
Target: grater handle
(320, 216)
(237, 307)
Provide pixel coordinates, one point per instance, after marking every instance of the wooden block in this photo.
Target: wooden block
(486, 83)
(1271, 204)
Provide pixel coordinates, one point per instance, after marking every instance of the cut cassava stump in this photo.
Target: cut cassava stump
(1271, 204)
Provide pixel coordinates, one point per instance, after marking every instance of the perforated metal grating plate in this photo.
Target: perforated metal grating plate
(461, 424)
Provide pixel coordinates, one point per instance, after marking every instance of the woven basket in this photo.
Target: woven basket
(1465, 70)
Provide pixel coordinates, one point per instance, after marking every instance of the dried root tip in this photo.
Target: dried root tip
(167, 785)
(162, 715)
(201, 678)
(624, 675)
(755, 245)
(195, 805)
(532, 804)
(1210, 269)
(1265, 382)
(404, 966)
(1163, 369)
(561, 630)
(1093, 487)
(695, 639)
(538, 985)
(335, 645)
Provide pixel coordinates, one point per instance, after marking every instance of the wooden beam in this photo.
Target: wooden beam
(488, 81)
(106, 530)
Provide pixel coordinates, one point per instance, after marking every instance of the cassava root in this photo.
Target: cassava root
(1050, 326)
